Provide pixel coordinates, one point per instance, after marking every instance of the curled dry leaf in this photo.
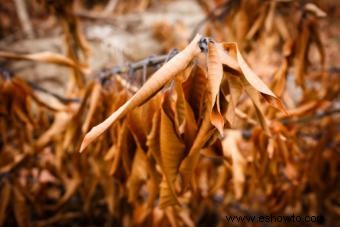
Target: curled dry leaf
(254, 80)
(148, 159)
(47, 57)
(314, 9)
(154, 84)
(215, 75)
(172, 152)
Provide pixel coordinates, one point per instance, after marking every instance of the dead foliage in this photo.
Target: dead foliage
(199, 136)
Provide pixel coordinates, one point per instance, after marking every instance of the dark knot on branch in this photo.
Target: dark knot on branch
(203, 44)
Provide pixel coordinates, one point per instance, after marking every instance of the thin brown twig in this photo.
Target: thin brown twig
(7, 75)
(133, 67)
(246, 133)
(313, 117)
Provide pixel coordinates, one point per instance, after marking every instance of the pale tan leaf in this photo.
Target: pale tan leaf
(314, 9)
(306, 108)
(254, 80)
(231, 149)
(47, 57)
(94, 102)
(215, 75)
(226, 59)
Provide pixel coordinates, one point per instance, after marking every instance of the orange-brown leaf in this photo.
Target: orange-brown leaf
(157, 81)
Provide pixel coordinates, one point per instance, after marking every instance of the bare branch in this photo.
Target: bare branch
(133, 67)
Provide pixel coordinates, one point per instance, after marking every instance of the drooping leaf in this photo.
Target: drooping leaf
(153, 139)
(215, 75)
(156, 81)
(255, 98)
(138, 174)
(94, 101)
(254, 80)
(172, 153)
(235, 88)
(238, 162)
(186, 118)
(191, 160)
(195, 87)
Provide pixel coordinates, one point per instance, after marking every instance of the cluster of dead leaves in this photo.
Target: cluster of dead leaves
(198, 141)
(270, 26)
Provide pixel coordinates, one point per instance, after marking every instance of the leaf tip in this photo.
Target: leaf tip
(86, 141)
(82, 147)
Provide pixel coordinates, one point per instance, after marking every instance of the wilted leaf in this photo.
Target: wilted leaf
(156, 81)
(235, 88)
(94, 101)
(186, 118)
(215, 75)
(195, 87)
(254, 80)
(46, 57)
(238, 162)
(172, 153)
(138, 174)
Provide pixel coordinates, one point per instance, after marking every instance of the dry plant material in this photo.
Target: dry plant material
(46, 57)
(76, 44)
(183, 132)
(186, 148)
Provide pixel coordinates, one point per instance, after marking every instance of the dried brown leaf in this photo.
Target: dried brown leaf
(172, 153)
(156, 81)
